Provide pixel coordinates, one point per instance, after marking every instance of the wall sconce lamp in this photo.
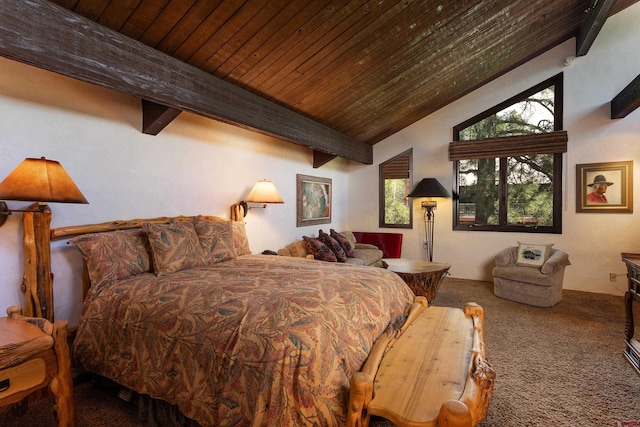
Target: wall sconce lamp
(38, 180)
(429, 187)
(263, 192)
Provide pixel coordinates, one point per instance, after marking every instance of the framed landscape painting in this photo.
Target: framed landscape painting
(313, 197)
(604, 187)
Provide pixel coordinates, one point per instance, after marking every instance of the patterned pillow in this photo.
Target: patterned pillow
(344, 242)
(114, 255)
(174, 246)
(216, 238)
(533, 254)
(319, 250)
(240, 239)
(334, 245)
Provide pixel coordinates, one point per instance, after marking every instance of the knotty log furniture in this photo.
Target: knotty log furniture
(426, 332)
(37, 283)
(631, 301)
(33, 354)
(432, 372)
(423, 277)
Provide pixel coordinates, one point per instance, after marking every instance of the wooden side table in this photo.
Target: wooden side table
(33, 354)
(423, 277)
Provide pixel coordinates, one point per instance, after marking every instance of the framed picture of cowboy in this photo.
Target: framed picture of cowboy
(604, 187)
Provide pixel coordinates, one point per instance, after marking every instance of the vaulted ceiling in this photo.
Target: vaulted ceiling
(361, 69)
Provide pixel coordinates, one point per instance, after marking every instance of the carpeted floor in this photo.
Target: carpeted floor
(560, 366)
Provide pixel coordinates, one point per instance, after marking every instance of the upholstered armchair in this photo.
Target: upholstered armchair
(538, 286)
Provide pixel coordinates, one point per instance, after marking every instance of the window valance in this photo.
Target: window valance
(520, 145)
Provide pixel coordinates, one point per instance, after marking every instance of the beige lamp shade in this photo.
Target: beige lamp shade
(264, 192)
(40, 180)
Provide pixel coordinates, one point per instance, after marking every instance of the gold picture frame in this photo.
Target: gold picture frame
(313, 200)
(604, 187)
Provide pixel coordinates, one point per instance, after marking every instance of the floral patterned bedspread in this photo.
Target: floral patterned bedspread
(255, 341)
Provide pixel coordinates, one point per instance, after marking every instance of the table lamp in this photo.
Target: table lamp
(38, 180)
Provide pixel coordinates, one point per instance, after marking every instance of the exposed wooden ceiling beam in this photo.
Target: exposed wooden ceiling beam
(592, 25)
(47, 36)
(627, 100)
(321, 159)
(156, 117)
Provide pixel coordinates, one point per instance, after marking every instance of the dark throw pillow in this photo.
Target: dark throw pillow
(319, 250)
(334, 245)
(344, 242)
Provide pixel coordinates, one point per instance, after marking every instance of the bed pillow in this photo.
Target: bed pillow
(334, 245)
(344, 242)
(175, 246)
(240, 239)
(216, 238)
(114, 255)
(533, 254)
(319, 250)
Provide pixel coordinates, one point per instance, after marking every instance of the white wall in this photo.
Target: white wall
(593, 241)
(194, 166)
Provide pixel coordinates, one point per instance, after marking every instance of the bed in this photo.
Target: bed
(179, 310)
(229, 337)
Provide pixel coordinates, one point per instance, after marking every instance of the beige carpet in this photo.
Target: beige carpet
(561, 366)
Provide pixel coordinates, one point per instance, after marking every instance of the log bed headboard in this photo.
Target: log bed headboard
(76, 230)
(37, 281)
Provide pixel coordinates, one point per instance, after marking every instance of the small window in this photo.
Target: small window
(508, 164)
(395, 184)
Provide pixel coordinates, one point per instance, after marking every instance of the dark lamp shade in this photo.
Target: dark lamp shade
(40, 180)
(429, 187)
(264, 192)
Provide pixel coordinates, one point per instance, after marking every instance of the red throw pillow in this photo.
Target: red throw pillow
(319, 250)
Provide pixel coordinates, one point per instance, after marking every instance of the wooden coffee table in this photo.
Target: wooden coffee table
(423, 277)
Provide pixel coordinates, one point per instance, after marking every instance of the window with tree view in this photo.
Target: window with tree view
(508, 164)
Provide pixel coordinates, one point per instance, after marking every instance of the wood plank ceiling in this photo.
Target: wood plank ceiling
(366, 69)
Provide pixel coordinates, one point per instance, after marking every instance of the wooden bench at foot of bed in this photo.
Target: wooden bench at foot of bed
(431, 372)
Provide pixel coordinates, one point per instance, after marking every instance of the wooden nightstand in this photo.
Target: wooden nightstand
(33, 354)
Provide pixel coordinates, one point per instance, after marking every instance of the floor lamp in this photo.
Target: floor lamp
(429, 187)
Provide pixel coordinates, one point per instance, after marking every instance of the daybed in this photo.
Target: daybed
(228, 337)
(369, 248)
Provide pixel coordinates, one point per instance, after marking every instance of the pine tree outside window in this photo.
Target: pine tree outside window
(508, 164)
(395, 183)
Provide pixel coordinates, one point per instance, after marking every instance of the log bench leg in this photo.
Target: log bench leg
(360, 395)
(454, 413)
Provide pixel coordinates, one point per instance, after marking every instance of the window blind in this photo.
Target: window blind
(521, 145)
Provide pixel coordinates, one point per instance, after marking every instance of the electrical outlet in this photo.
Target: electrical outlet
(612, 277)
(425, 244)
